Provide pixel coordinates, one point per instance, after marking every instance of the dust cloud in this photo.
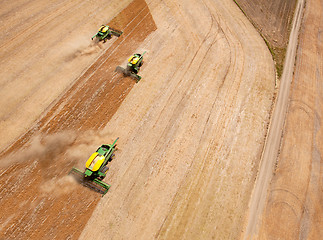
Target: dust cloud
(59, 186)
(77, 153)
(83, 47)
(65, 149)
(94, 47)
(41, 148)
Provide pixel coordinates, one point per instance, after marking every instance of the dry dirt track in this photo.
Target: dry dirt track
(271, 149)
(191, 132)
(294, 205)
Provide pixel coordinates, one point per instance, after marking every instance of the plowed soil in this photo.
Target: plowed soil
(273, 20)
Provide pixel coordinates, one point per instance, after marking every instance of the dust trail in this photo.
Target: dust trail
(41, 148)
(54, 155)
(44, 148)
(82, 47)
(94, 47)
(59, 186)
(77, 153)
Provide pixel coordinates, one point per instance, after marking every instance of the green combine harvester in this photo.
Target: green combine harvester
(96, 169)
(105, 33)
(134, 64)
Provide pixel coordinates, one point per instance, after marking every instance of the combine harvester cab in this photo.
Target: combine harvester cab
(105, 33)
(96, 169)
(133, 66)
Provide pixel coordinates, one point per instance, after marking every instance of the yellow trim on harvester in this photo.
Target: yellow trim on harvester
(133, 60)
(91, 158)
(95, 161)
(104, 28)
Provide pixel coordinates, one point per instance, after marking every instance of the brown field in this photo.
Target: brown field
(192, 131)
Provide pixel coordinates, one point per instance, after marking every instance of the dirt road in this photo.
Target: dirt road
(191, 133)
(271, 149)
(293, 209)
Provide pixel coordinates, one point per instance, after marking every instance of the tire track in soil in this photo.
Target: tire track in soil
(98, 92)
